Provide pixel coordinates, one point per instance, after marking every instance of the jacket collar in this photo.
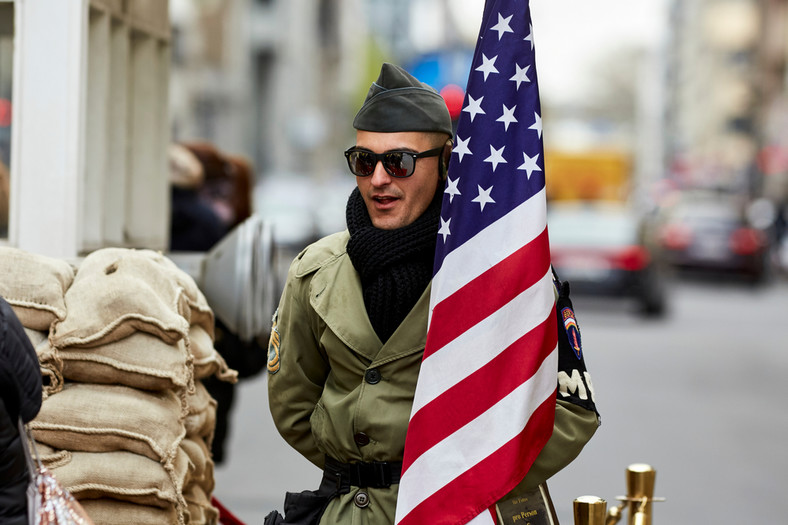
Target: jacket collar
(335, 294)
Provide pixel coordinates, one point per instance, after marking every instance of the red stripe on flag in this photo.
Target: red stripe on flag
(510, 462)
(481, 297)
(475, 394)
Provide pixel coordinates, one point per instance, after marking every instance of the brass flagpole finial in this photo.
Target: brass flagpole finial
(640, 479)
(590, 510)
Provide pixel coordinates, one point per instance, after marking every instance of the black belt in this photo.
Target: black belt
(377, 474)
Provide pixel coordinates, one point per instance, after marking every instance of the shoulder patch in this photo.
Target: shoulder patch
(273, 346)
(572, 331)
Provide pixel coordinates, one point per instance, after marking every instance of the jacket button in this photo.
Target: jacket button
(372, 376)
(361, 439)
(361, 499)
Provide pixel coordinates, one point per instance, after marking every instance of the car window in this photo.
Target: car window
(591, 228)
(706, 213)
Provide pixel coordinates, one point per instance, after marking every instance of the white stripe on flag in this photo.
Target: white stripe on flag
(484, 341)
(459, 452)
(489, 247)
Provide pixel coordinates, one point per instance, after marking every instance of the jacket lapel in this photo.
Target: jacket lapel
(335, 294)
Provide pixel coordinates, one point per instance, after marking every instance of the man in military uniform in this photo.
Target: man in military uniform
(350, 329)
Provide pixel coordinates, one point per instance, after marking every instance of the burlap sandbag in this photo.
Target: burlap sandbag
(200, 311)
(201, 419)
(51, 366)
(106, 418)
(51, 369)
(114, 512)
(200, 511)
(52, 380)
(117, 292)
(52, 458)
(201, 467)
(207, 361)
(36, 336)
(34, 286)
(125, 476)
(140, 360)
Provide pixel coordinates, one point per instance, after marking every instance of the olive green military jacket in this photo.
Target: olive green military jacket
(335, 389)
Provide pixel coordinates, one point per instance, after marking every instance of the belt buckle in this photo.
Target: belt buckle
(339, 482)
(382, 474)
(376, 474)
(357, 474)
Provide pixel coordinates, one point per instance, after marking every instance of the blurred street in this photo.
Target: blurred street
(699, 395)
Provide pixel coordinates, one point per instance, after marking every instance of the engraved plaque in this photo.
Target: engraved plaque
(528, 508)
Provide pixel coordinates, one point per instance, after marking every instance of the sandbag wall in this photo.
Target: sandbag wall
(124, 340)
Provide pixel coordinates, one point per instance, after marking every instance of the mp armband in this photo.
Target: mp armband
(574, 381)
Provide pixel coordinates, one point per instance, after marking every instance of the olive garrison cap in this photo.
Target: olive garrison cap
(397, 101)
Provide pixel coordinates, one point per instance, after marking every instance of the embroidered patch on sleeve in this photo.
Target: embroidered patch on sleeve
(273, 346)
(572, 331)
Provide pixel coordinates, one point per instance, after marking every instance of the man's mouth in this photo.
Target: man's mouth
(384, 201)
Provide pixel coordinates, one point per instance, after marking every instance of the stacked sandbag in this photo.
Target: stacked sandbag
(35, 287)
(129, 425)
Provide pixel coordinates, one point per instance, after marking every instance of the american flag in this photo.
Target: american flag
(485, 400)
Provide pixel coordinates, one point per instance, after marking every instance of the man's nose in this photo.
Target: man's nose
(380, 177)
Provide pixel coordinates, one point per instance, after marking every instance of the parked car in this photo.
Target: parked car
(607, 249)
(709, 232)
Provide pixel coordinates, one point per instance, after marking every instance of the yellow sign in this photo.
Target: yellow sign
(593, 175)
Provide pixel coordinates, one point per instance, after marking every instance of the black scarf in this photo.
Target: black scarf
(395, 265)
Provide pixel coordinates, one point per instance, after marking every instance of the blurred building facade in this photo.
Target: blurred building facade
(712, 135)
(727, 105)
(269, 79)
(279, 80)
(773, 116)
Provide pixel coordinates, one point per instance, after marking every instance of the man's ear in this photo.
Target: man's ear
(443, 163)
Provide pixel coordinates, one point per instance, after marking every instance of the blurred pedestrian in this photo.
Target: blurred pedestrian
(194, 224)
(239, 196)
(20, 399)
(227, 182)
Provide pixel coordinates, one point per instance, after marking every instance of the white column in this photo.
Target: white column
(49, 126)
(117, 137)
(96, 130)
(147, 185)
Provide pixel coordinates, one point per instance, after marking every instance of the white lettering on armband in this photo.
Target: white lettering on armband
(575, 384)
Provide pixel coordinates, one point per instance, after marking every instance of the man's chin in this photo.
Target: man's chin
(385, 221)
(385, 225)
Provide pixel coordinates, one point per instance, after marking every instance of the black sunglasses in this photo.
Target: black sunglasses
(398, 164)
